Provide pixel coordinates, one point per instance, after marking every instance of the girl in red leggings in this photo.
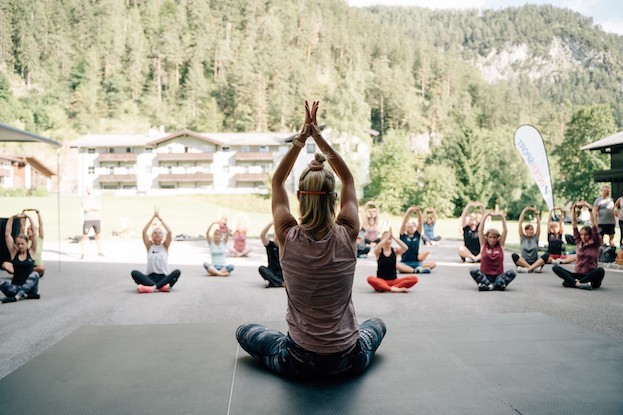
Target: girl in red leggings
(386, 278)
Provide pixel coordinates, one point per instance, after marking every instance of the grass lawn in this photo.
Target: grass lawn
(188, 214)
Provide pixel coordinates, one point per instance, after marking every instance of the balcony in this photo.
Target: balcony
(117, 157)
(191, 177)
(251, 177)
(185, 157)
(117, 178)
(255, 156)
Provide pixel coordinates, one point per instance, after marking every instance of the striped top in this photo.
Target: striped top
(319, 280)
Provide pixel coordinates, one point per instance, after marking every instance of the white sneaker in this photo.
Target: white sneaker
(557, 261)
(521, 270)
(470, 260)
(538, 270)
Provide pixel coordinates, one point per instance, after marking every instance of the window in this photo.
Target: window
(111, 170)
(311, 148)
(149, 150)
(185, 149)
(167, 186)
(225, 149)
(90, 150)
(264, 149)
(169, 169)
(91, 170)
(111, 150)
(128, 149)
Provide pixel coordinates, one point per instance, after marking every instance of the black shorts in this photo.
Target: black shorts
(88, 224)
(606, 229)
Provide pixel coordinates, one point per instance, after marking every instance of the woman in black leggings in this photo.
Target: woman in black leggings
(157, 277)
(587, 274)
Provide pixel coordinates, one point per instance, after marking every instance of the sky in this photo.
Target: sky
(606, 13)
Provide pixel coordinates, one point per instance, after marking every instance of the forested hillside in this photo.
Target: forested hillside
(68, 67)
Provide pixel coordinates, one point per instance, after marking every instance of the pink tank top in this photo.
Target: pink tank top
(319, 281)
(240, 241)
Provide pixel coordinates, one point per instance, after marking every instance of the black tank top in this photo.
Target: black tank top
(387, 266)
(22, 269)
(554, 244)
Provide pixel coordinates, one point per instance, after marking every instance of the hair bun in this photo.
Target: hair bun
(317, 163)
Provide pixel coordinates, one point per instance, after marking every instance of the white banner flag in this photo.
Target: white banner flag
(530, 145)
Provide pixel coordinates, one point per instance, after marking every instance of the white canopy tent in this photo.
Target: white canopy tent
(8, 133)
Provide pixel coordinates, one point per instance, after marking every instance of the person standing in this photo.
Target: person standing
(318, 259)
(605, 214)
(91, 206)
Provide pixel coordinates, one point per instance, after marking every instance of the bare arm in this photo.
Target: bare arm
(433, 214)
(419, 220)
(146, 240)
(226, 236)
(550, 219)
(208, 237)
(405, 219)
(574, 215)
(378, 248)
(8, 238)
(40, 220)
(348, 216)
(520, 223)
(33, 241)
(537, 231)
(481, 232)
(282, 217)
(169, 237)
(402, 247)
(264, 232)
(463, 221)
(504, 229)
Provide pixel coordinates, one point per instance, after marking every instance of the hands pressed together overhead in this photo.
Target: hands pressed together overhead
(310, 126)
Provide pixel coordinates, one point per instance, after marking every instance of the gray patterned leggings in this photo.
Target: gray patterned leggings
(280, 353)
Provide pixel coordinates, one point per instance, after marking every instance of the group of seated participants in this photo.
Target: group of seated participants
(317, 253)
(394, 255)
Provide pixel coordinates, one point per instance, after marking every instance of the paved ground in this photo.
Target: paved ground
(99, 291)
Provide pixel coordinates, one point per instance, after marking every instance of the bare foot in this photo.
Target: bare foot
(398, 290)
(223, 273)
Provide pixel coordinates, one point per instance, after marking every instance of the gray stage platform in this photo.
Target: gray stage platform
(525, 363)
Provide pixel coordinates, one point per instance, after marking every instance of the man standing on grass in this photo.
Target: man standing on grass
(91, 209)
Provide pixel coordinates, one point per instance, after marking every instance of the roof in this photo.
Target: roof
(29, 159)
(241, 139)
(115, 140)
(38, 165)
(611, 141)
(8, 133)
(142, 140)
